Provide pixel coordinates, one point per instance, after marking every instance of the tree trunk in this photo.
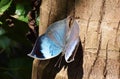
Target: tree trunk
(98, 56)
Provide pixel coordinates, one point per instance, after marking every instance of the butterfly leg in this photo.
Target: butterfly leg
(58, 62)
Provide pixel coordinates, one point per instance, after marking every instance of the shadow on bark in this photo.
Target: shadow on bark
(74, 71)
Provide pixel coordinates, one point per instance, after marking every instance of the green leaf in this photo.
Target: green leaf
(37, 20)
(4, 42)
(20, 68)
(2, 31)
(1, 23)
(4, 5)
(22, 11)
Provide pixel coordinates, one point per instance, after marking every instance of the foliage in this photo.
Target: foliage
(4, 5)
(14, 63)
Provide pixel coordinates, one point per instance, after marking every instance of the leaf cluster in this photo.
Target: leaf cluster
(14, 63)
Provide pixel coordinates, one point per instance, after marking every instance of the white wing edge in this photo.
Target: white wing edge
(40, 58)
(73, 50)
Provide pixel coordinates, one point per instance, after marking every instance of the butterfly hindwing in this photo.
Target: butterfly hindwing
(72, 42)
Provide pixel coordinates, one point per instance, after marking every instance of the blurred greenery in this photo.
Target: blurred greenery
(4, 5)
(14, 46)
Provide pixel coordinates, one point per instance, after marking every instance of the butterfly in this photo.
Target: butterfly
(59, 38)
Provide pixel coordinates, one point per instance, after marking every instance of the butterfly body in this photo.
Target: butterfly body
(58, 38)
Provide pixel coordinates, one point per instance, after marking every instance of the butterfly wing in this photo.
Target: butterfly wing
(51, 43)
(45, 48)
(72, 43)
(57, 32)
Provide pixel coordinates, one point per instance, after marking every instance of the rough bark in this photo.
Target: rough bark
(98, 56)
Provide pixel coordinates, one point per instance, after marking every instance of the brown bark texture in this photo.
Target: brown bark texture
(98, 55)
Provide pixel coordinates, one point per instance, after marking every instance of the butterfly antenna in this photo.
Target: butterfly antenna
(59, 62)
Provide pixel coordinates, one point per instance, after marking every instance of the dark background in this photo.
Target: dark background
(14, 45)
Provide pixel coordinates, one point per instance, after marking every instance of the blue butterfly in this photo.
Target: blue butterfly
(59, 38)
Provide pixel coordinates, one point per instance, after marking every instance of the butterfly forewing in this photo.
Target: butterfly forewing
(51, 43)
(58, 32)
